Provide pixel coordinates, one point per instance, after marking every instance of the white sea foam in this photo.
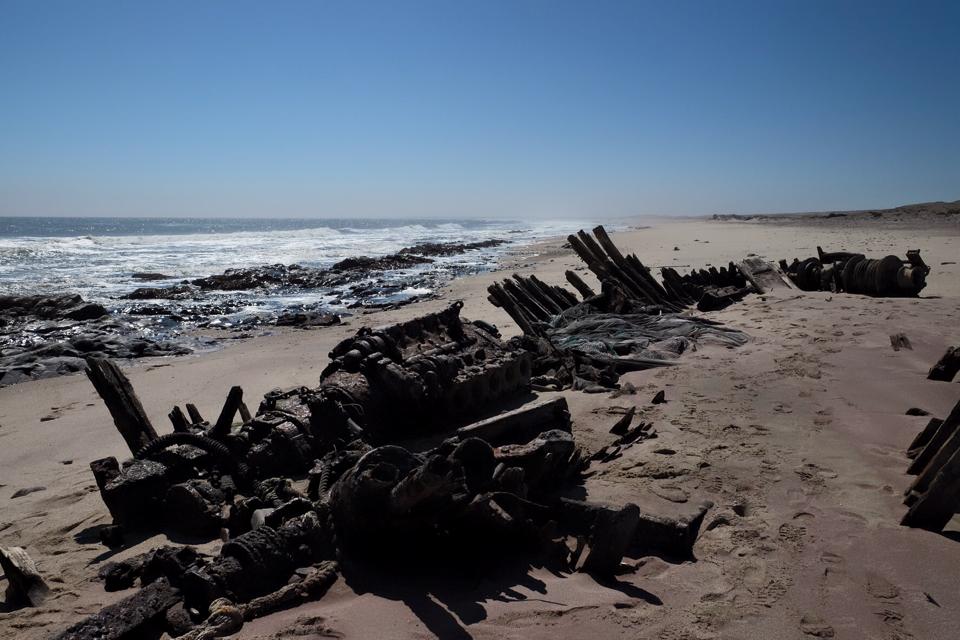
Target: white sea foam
(99, 267)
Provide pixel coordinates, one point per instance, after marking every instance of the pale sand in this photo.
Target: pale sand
(798, 438)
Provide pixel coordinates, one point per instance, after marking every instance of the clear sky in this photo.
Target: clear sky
(456, 108)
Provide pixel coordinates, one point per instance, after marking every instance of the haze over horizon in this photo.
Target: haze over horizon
(495, 109)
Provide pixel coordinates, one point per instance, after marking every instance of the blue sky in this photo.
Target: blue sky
(476, 108)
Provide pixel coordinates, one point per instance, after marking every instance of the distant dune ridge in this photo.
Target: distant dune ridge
(919, 210)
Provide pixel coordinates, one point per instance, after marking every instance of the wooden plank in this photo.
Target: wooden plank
(934, 509)
(195, 417)
(553, 293)
(764, 276)
(505, 302)
(941, 455)
(535, 293)
(178, 420)
(521, 424)
(25, 585)
(129, 618)
(947, 367)
(922, 438)
(582, 287)
(230, 407)
(640, 277)
(645, 272)
(946, 430)
(122, 402)
(526, 301)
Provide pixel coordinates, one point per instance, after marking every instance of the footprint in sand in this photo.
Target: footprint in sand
(815, 626)
(887, 595)
(792, 536)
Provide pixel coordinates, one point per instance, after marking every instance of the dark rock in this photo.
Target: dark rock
(175, 292)
(131, 617)
(140, 275)
(307, 319)
(121, 575)
(86, 311)
(135, 496)
(660, 398)
(112, 536)
(383, 263)
(448, 248)
(50, 307)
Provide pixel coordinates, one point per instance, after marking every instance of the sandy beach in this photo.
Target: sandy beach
(798, 439)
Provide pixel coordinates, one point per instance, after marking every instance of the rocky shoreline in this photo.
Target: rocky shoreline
(45, 336)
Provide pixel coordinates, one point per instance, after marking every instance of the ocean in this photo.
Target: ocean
(97, 257)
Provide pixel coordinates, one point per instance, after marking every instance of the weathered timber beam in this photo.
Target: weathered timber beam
(922, 438)
(675, 285)
(195, 417)
(122, 402)
(611, 536)
(582, 287)
(934, 509)
(951, 424)
(244, 412)
(947, 367)
(525, 300)
(671, 536)
(553, 293)
(655, 284)
(178, 420)
(531, 289)
(943, 453)
(567, 295)
(129, 618)
(520, 425)
(230, 407)
(634, 288)
(25, 585)
(640, 277)
(506, 303)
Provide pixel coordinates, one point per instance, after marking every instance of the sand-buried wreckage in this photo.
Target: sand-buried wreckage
(399, 451)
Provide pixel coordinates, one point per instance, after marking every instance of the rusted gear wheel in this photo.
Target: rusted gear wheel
(808, 274)
(847, 276)
(870, 277)
(886, 278)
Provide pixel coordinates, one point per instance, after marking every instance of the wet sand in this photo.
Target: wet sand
(798, 438)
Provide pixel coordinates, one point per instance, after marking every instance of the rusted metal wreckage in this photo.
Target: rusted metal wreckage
(395, 452)
(934, 495)
(389, 456)
(628, 286)
(842, 271)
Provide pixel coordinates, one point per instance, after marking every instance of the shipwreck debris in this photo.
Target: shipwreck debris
(947, 367)
(389, 456)
(411, 377)
(137, 616)
(25, 585)
(633, 323)
(128, 414)
(855, 273)
(900, 341)
(934, 495)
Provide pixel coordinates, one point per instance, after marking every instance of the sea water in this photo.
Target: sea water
(97, 257)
